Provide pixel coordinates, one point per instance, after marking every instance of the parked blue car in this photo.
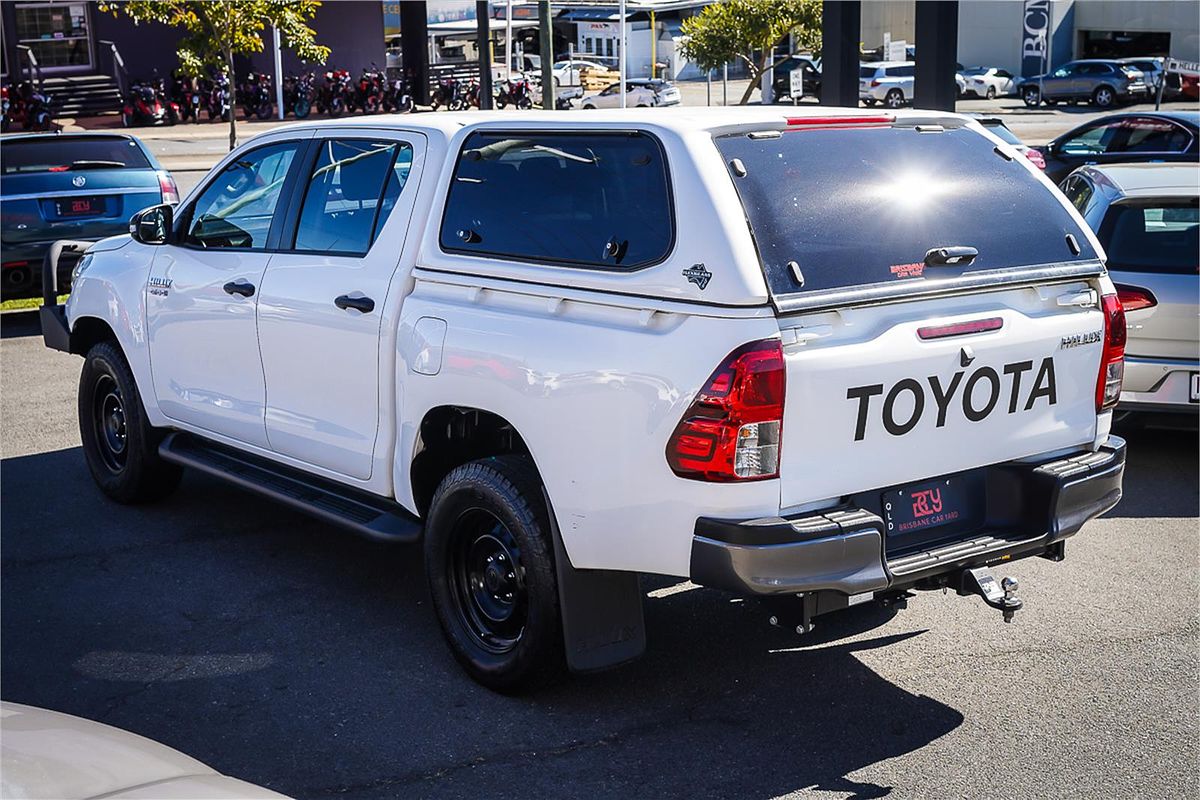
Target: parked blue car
(69, 186)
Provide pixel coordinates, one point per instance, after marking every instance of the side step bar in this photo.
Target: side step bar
(367, 515)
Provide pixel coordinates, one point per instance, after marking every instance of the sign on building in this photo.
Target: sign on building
(1035, 38)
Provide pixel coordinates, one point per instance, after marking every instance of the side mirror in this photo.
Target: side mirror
(152, 225)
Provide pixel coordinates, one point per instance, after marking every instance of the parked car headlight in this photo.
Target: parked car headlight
(81, 267)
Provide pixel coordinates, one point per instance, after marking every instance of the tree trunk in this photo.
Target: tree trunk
(756, 71)
(232, 98)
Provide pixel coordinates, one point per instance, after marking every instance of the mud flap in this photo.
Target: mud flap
(601, 612)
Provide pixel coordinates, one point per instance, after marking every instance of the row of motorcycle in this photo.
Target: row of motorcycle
(456, 95)
(183, 99)
(26, 108)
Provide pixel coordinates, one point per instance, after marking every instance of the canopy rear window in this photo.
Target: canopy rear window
(864, 206)
(72, 154)
(597, 199)
(1153, 236)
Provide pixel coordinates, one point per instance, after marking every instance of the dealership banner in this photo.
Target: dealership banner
(1035, 37)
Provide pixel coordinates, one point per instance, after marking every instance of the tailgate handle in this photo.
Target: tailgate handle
(950, 256)
(1085, 298)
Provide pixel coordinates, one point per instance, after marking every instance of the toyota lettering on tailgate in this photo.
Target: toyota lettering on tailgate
(976, 403)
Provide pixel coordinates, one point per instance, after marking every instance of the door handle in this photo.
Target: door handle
(244, 288)
(364, 304)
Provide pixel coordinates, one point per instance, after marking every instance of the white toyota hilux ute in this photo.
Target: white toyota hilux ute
(562, 351)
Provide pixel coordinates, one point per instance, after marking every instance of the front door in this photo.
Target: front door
(202, 297)
(323, 298)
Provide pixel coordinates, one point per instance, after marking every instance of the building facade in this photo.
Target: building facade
(1027, 37)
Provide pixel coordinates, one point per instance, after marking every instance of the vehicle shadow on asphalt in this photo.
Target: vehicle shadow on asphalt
(289, 654)
(1151, 454)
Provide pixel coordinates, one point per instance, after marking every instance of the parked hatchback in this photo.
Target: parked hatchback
(1099, 82)
(1124, 138)
(76, 186)
(1148, 219)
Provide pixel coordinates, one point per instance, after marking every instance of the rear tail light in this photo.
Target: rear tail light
(732, 430)
(874, 83)
(1036, 158)
(1134, 298)
(170, 192)
(1112, 358)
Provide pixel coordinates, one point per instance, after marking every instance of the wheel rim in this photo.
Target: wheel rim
(108, 416)
(1031, 96)
(488, 581)
(1103, 97)
(894, 100)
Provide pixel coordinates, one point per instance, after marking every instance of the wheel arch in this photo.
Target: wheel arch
(88, 332)
(452, 435)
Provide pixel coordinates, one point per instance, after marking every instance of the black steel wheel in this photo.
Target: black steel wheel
(489, 560)
(120, 446)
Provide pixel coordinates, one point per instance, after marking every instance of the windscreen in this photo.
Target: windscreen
(1153, 237)
(62, 154)
(860, 206)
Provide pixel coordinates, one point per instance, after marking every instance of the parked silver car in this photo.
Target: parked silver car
(1101, 82)
(1147, 216)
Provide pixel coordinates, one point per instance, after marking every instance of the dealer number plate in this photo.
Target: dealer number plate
(925, 506)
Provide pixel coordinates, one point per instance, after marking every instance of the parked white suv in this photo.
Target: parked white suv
(886, 82)
(566, 349)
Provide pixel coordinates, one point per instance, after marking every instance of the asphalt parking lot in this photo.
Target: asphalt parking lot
(291, 655)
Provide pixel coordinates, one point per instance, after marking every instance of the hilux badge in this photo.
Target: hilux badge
(79, 180)
(698, 275)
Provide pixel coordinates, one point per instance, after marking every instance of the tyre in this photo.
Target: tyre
(119, 445)
(489, 560)
(1104, 97)
(894, 98)
(1031, 96)
(589, 107)
(263, 112)
(870, 102)
(991, 93)
(302, 109)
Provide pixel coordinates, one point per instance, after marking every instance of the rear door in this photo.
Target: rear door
(849, 224)
(324, 297)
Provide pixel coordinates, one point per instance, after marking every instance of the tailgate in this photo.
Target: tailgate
(888, 395)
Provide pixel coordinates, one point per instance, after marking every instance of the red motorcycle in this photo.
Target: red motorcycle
(146, 105)
(369, 93)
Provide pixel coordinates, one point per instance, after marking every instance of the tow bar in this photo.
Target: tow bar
(1002, 596)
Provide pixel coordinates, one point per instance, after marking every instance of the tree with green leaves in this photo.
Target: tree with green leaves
(749, 31)
(216, 31)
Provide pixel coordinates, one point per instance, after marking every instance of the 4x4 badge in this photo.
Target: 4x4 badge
(698, 275)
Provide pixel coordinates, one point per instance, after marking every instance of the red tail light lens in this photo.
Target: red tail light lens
(732, 430)
(1036, 158)
(170, 192)
(874, 83)
(1134, 298)
(1112, 359)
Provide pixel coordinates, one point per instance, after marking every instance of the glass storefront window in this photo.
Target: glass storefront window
(56, 32)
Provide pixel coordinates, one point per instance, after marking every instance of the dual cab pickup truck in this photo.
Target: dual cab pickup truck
(749, 348)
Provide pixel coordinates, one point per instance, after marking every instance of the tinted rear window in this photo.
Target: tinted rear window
(866, 72)
(1001, 130)
(594, 200)
(854, 207)
(1154, 237)
(64, 153)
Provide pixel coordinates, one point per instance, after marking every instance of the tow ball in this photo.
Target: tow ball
(1002, 596)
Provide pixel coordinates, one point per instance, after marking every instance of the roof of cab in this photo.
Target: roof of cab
(681, 119)
(1147, 180)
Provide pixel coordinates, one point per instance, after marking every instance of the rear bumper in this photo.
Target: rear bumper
(1158, 384)
(843, 550)
(26, 280)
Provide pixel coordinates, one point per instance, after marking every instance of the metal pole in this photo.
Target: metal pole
(1162, 82)
(653, 47)
(708, 88)
(725, 84)
(622, 41)
(483, 43)
(278, 72)
(508, 42)
(546, 46)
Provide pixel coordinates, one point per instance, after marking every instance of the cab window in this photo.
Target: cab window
(236, 209)
(352, 189)
(598, 200)
(1079, 191)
